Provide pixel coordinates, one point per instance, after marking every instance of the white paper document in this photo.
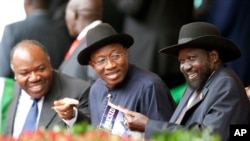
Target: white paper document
(113, 122)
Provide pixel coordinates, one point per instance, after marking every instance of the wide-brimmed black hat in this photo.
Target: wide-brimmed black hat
(99, 36)
(203, 35)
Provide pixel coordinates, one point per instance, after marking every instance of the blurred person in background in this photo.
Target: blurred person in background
(57, 12)
(81, 15)
(37, 26)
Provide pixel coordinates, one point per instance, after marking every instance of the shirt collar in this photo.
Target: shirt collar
(87, 28)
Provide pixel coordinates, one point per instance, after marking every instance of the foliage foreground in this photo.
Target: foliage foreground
(85, 132)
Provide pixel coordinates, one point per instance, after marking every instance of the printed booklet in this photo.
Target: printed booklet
(113, 122)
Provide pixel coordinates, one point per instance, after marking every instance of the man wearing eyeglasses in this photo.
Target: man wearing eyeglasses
(119, 81)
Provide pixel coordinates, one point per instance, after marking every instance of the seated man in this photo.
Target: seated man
(37, 89)
(119, 81)
(215, 97)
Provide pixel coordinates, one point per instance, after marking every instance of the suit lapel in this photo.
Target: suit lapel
(181, 105)
(199, 98)
(47, 114)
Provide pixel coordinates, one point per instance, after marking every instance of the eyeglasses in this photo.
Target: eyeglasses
(102, 61)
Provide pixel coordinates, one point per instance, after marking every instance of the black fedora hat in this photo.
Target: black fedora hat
(203, 35)
(101, 35)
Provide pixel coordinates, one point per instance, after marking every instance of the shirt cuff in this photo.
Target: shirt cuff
(71, 122)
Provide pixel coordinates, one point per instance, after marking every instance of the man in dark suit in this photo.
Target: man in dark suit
(55, 91)
(215, 96)
(81, 15)
(37, 26)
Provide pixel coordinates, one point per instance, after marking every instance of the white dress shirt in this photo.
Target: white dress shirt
(23, 107)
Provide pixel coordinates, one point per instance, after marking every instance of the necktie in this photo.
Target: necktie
(190, 102)
(72, 48)
(30, 122)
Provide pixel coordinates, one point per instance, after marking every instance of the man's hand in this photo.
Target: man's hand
(64, 108)
(134, 121)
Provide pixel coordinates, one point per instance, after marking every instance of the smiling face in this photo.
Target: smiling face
(197, 65)
(111, 63)
(32, 69)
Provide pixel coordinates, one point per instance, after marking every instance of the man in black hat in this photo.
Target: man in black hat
(215, 96)
(120, 82)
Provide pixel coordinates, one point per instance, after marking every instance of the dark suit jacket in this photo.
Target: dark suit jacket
(71, 67)
(155, 24)
(221, 103)
(62, 86)
(37, 26)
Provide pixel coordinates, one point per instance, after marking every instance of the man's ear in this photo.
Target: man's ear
(214, 55)
(91, 64)
(125, 51)
(76, 15)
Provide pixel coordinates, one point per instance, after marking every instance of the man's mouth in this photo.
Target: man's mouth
(36, 88)
(192, 76)
(112, 75)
